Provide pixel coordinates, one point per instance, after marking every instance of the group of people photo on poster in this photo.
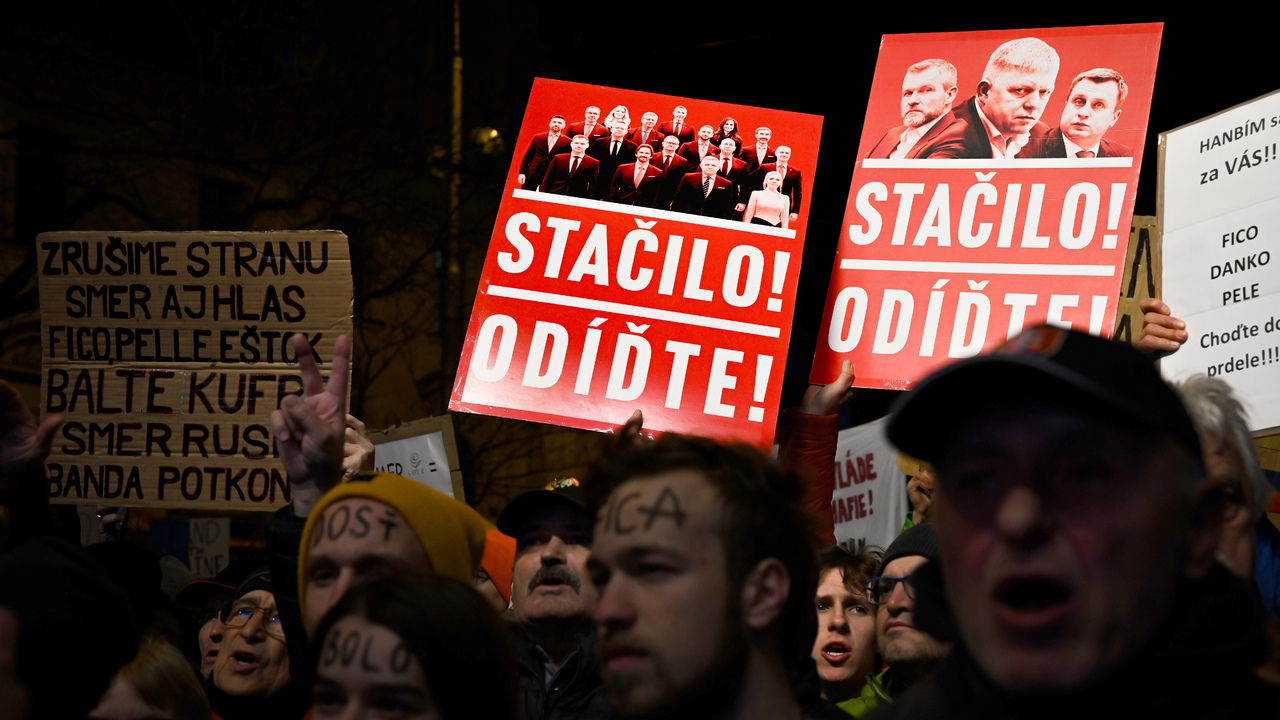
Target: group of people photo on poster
(732, 170)
(648, 266)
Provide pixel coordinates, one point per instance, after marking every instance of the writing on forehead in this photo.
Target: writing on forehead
(617, 520)
(354, 649)
(342, 520)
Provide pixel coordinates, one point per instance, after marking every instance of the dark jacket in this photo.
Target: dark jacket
(1197, 667)
(809, 446)
(291, 703)
(576, 693)
(284, 534)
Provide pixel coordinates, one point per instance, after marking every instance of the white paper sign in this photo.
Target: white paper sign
(209, 546)
(1220, 222)
(870, 499)
(420, 458)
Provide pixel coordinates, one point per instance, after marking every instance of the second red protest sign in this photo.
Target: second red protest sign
(994, 190)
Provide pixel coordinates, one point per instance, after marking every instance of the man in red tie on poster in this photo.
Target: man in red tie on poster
(541, 149)
(1093, 107)
(677, 125)
(638, 183)
(574, 174)
(705, 193)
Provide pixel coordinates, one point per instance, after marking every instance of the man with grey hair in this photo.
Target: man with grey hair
(1092, 108)
(1077, 535)
(928, 92)
(1231, 463)
(1005, 113)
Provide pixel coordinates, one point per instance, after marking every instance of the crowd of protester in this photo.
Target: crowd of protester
(1083, 538)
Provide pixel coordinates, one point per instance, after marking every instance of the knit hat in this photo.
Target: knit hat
(912, 466)
(499, 557)
(915, 540)
(451, 533)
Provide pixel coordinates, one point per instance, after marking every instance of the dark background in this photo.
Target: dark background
(256, 116)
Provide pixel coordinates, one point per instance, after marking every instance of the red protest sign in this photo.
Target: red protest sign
(993, 191)
(653, 289)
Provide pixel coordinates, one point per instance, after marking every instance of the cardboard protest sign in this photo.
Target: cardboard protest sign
(1140, 279)
(612, 286)
(1219, 208)
(422, 450)
(165, 353)
(967, 220)
(870, 498)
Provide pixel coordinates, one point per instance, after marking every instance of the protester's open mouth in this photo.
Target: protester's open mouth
(243, 660)
(836, 653)
(1032, 602)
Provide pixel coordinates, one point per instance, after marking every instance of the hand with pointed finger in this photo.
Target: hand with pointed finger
(1162, 333)
(310, 431)
(357, 450)
(827, 399)
(24, 445)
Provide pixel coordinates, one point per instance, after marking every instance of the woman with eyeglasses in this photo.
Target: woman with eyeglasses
(251, 676)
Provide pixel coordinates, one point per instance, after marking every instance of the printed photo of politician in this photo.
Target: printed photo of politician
(1003, 118)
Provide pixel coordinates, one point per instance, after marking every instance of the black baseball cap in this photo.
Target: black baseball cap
(564, 493)
(197, 593)
(1056, 366)
(259, 579)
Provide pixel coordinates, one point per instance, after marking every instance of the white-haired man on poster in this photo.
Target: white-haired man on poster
(1003, 116)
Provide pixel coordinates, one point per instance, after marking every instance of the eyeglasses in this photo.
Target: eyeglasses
(238, 615)
(880, 588)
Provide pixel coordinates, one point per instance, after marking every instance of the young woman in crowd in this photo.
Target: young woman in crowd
(420, 649)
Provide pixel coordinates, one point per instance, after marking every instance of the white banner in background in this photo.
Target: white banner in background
(1220, 217)
(420, 458)
(870, 499)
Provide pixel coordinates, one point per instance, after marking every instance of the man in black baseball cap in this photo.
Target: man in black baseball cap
(910, 653)
(209, 596)
(554, 601)
(1076, 536)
